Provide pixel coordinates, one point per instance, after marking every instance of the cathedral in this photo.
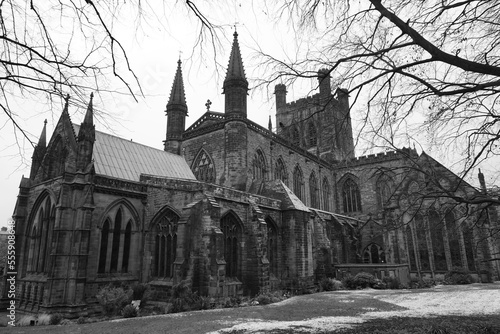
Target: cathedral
(235, 208)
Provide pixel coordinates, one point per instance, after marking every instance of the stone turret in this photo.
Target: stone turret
(235, 85)
(86, 138)
(324, 78)
(176, 114)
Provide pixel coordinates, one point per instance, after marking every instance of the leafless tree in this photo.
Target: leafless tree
(53, 48)
(435, 62)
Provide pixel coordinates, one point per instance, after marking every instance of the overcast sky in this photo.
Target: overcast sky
(153, 50)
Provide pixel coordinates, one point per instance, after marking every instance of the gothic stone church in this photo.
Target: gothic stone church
(232, 207)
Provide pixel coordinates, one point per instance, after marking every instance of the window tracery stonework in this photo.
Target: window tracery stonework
(203, 167)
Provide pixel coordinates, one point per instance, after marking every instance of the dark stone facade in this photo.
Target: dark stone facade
(240, 210)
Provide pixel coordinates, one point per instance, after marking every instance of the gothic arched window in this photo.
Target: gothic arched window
(410, 247)
(312, 136)
(298, 183)
(259, 166)
(232, 235)
(313, 190)
(280, 171)
(384, 190)
(421, 234)
(39, 236)
(272, 246)
(203, 167)
(351, 196)
(326, 194)
(165, 251)
(468, 236)
(437, 239)
(373, 253)
(116, 242)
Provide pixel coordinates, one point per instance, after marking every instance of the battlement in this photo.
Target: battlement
(380, 157)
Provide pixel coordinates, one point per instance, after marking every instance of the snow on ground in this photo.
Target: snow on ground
(441, 300)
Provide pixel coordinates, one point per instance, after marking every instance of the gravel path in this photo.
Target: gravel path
(322, 311)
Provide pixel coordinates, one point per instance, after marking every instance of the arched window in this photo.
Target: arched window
(116, 242)
(39, 236)
(373, 253)
(298, 183)
(280, 171)
(384, 190)
(410, 247)
(453, 239)
(272, 246)
(351, 196)
(313, 190)
(312, 136)
(421, 233)
(468, 236)
(259, 166)
(232, 235)
(165, 251)
(295, 135)
(326, 194)
(203, 167)
(436, 230)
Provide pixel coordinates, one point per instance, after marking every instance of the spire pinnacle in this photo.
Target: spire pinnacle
(66, 103)
(42, 141)
(177, 95)
(235, 70)
(89, 116)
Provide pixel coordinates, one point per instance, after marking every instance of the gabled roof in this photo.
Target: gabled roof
(125, 159)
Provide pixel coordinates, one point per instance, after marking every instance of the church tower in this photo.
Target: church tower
(236, 141)
(176, 114)
(86, 138)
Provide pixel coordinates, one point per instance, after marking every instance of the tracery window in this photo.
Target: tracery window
(259, 166)
(165, 251)
(313, 190)
(437, 239)
(373, 253)
(421, 233)
(232, 234)
(326, 194)
(312, 136)
(468, 236)
(410, 247)
(39, 238)
(384, 190)
(351, 196)
(203, 167)
(280, 171)
(272, 246)
(116, 243)
(298, 183)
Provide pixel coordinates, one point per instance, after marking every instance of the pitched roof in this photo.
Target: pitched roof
(125, 159)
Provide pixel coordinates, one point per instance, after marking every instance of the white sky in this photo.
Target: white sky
(153, 50)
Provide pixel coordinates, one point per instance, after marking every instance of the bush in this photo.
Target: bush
(26, 320)
(139, 291)
(81, 321)
(392, 282)
(129, 311)
(364, 280)
(43, 319)
(424, 283)
(348, 282)
(379, 284)
(330, 284)
(458, 276)
(56, 318)
(113, 299)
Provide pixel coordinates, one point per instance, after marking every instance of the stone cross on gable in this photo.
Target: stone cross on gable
(208, 104)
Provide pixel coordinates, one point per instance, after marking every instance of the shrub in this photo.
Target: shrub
(81, 320)
(424, 283)
(139, 291)
(55, 318)
(458, 276)
(392, 282)
(379, 284)
(330, 284)
(363, 280)
(113, 299)
(26, 320)
(129, 311)
(348, 282)
(43, 319)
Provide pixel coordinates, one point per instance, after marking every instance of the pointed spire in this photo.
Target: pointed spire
(89, 116)
(270, 124)
(235, 70)
(42, 141)
(177, 95)
(66, 102)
